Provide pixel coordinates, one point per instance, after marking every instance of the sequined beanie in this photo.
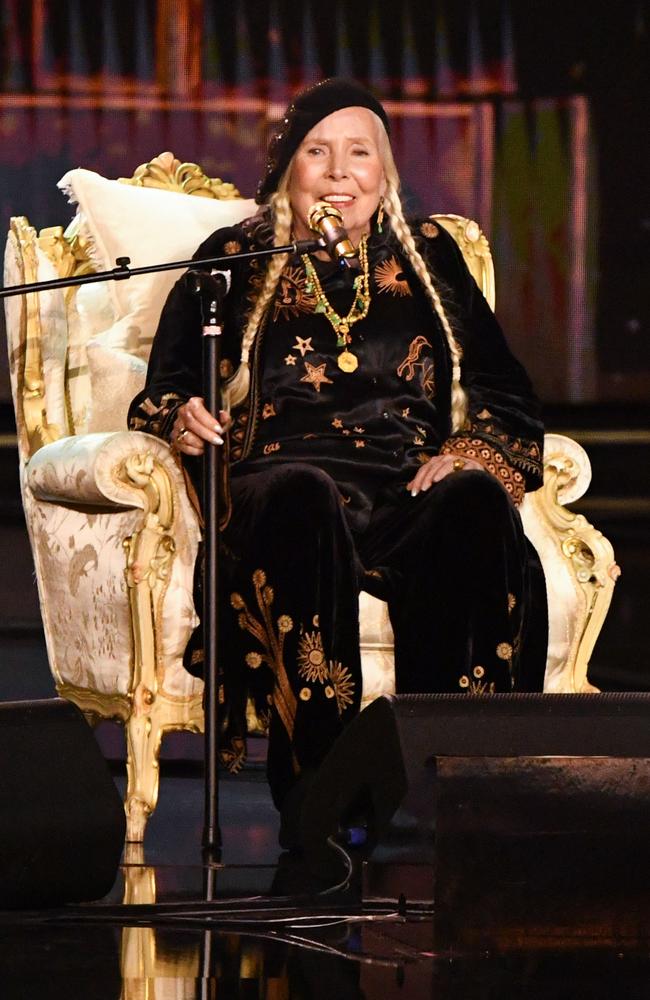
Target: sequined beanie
(305, 111)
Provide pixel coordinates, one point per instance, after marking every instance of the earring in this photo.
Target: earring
(380, 215)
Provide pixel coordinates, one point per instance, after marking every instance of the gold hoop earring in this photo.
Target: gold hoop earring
(380, 215)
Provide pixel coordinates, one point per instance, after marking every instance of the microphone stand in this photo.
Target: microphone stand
(122, 271)
(211, 290)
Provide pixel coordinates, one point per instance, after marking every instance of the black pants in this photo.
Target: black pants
(452, 564)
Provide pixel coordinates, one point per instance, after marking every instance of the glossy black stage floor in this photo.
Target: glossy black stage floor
(517, 894)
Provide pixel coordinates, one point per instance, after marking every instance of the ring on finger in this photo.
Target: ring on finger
(181, 434)
(459, 463)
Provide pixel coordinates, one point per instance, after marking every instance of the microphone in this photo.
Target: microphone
(327, 222)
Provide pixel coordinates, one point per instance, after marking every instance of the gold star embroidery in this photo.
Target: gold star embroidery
(359, 444)
(315, 375)
(268, 411)
(337, 423)
(359, 430)
(418, 440)
(391, 278)
(302, 345)
(290, 360)
(406, 411)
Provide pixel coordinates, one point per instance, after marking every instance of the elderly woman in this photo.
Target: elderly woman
(382, 437)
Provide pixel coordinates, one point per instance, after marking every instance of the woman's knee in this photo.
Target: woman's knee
(476, 500)
(299, 491)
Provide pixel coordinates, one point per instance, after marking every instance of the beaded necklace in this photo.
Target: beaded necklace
(347, 361)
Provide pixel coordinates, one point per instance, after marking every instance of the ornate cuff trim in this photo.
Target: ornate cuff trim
(491, 460)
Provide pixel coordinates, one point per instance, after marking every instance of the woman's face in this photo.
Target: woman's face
(339, 161)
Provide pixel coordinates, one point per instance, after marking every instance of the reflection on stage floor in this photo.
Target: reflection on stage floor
(401, 930)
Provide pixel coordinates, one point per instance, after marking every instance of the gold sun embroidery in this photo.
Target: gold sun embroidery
(311, 658)
(429, 229)
(291, 297)
(390, 277)
(343, 685)
(315, 375)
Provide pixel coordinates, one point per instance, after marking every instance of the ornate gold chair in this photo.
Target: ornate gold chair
(113, 534)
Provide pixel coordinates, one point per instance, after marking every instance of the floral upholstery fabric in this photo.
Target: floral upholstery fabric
(80, 560)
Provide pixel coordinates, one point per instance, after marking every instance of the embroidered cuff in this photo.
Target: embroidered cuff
(157, 419)
(491, 460)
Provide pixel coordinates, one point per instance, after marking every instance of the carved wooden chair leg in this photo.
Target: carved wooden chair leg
(143, 736)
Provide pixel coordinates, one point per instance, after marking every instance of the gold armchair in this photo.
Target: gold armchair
(113, 534)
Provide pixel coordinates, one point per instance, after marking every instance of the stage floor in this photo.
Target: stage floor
(330, 951)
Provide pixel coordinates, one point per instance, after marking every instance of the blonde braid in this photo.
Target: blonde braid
(237, 388)
(401, 229)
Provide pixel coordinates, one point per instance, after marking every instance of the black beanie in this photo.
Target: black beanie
(306, 110)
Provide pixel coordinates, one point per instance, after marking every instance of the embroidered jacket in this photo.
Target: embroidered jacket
(372, 426)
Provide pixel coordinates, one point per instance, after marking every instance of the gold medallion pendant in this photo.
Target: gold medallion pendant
(348, 362)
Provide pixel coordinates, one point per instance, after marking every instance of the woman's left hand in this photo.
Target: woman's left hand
(436, 469)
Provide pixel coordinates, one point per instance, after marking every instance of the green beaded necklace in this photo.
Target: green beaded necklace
(347, 361)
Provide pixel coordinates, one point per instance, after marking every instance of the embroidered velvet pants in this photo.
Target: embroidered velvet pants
(452, 563)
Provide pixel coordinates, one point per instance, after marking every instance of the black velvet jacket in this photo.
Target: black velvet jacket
(373, 426)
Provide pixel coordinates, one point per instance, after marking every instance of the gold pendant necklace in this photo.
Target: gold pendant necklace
(347, 361)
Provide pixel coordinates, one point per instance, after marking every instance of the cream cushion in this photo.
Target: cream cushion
(150, 226)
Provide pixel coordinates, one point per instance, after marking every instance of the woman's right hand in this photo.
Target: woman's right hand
(194, 425)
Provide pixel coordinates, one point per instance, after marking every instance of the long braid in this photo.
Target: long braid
(404, 235)
(237, 388)
(399, 225)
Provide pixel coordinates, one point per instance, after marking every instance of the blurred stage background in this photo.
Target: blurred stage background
(530, 117)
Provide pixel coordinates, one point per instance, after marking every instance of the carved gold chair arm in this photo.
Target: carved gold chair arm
(104, 470)
(579, 564)
(476, 251)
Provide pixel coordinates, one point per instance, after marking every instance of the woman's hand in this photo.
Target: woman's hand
(436, 469)
(194, 425)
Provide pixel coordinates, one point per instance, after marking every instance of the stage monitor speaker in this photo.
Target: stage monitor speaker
(62, 822)
(386, 757)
